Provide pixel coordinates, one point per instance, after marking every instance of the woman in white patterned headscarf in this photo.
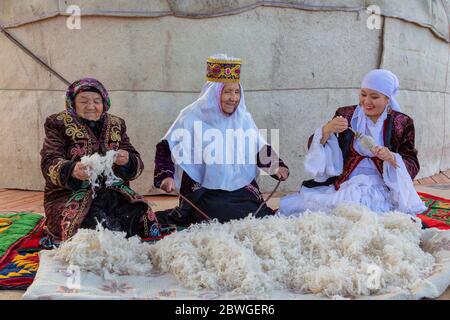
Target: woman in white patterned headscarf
(203, 156)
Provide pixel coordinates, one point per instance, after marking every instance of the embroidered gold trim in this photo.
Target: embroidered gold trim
(235, 61)
(162, 172)
(65, 117)
(115, 121)
(223, 70)
(72, 130)
(115, 135)
(80, 210)
(115, 129)
(54, 172)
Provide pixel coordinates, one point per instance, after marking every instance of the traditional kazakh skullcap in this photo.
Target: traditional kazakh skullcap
(222, 68)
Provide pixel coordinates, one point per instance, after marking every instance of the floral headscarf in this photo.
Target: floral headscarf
(84, 85)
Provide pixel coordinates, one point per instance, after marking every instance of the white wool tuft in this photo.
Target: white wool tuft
(329, 254)
(98, 165)
(103, 252)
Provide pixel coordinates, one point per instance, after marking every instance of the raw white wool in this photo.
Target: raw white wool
(348, 253)
(103, 252)
(98, 165)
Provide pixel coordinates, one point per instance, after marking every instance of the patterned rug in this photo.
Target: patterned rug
(438, 213)
(20, 234)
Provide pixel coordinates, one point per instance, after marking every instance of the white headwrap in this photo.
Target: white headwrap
(203, 120)
(385, 82)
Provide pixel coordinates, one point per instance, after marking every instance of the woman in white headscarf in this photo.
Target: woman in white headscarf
(346, 169)
(212, 152)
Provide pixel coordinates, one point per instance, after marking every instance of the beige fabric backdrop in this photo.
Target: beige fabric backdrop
(301, 61)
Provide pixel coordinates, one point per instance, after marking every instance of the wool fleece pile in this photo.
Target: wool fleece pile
(349, 252)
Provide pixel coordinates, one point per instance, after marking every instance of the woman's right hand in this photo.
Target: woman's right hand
(168, 185)
(79, 172)
(337, 125)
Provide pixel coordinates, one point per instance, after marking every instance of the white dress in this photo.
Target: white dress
(394, 190)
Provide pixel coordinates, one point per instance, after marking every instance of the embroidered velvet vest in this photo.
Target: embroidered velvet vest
(353, 158)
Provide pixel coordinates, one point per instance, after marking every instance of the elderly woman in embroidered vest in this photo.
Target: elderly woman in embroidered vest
(85, 128)
(204, 158)
(375, 170)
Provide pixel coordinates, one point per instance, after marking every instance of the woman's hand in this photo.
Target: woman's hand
(385, 154)
(168, 185)
(122, 157)
(79, 172)
(337, 125)
(282, 173)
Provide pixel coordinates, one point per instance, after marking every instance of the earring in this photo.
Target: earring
(389, 108)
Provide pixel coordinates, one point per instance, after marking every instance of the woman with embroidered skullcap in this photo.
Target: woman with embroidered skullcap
(375, 170)
(212, 152)
(84, 128)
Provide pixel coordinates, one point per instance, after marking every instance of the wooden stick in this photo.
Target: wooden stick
(195, 207)
(268, 198)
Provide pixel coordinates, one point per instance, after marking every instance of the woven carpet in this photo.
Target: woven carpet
(20, 234)
(438, 213)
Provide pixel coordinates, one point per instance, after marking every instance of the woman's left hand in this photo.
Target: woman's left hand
(282, 173)
(385, 154)
(122, 157)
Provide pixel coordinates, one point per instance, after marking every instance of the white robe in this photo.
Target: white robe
(394, 190)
